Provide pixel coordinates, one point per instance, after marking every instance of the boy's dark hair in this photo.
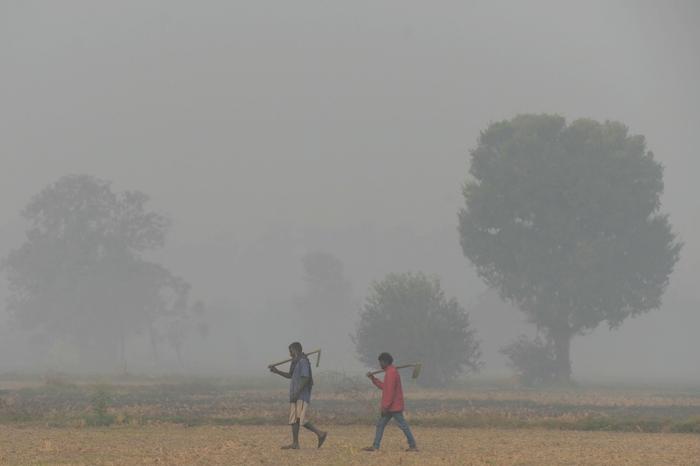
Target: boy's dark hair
(386, 358)
(296, 346)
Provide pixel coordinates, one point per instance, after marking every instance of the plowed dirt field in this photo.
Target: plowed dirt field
(170, 444)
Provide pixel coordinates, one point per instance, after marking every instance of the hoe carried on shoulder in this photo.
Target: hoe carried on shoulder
(316, 352)
(416, 369)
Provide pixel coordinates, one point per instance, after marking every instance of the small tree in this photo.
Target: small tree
(564, 222)
(327, 302)
(409, 316)
(183, 322)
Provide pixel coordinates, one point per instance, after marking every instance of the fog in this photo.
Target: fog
(269, 130)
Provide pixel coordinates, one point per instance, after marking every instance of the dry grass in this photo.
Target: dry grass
(197, 402)
(252, 445)
(570, 396)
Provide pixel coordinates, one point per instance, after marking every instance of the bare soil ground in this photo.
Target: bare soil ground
(259, 445)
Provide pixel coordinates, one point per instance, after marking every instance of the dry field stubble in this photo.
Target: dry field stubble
(170, 444)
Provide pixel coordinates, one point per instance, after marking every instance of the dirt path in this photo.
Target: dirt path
(258, 445)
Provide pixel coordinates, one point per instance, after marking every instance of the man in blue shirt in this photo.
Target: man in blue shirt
(299, 395)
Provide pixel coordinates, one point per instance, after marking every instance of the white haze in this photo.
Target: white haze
(265, 130)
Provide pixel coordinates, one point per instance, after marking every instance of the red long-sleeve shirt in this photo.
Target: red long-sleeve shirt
(392, 393)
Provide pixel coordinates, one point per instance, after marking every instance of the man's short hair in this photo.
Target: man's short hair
(386, 358)
(296, 346)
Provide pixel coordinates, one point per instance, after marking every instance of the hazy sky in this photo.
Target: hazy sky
(242, 117)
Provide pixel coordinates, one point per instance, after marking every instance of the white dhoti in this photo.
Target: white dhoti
(298, 411)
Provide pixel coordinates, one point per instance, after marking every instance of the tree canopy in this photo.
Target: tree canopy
(81, 275)
(564, 220)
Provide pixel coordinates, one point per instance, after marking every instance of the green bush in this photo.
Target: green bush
(100, 401)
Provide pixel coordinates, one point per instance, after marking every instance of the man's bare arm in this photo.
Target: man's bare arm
(286, 375)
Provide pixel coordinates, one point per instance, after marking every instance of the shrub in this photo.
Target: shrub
(532, 360)
(100, 401)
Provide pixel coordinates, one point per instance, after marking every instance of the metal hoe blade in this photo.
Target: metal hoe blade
(416, 370)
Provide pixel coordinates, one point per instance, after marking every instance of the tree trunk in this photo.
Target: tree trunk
(562, 353)
(122, 349)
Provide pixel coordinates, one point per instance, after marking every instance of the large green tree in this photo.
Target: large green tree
(564, 220)
(409, 316)
(81, 275)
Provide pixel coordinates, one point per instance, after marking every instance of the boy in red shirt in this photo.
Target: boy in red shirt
(392, 403)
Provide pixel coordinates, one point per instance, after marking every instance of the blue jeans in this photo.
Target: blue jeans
(384, 420)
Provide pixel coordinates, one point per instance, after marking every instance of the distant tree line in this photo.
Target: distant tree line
(562, 220)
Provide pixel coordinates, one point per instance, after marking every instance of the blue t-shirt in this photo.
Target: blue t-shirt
(300, 369)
